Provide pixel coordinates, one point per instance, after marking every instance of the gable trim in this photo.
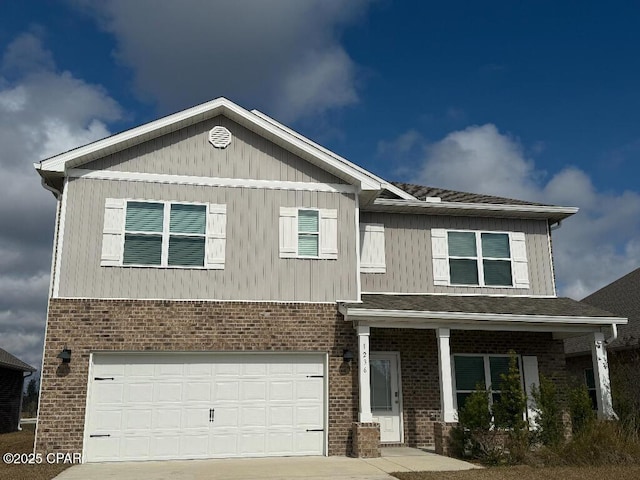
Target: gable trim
(209, 181)
(313, 153)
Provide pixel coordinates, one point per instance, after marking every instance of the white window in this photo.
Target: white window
(163, 234)
(310, 233)
(480, 259)
(482, 372)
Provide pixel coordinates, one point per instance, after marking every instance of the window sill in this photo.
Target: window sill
(166, 267)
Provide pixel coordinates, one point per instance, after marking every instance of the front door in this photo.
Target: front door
(386, 396)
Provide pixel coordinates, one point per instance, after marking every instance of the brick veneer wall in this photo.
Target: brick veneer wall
(419, 368)
(366, 440)
(164, 326)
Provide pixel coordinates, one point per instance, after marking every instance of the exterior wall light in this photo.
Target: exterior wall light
(347, 355)
(65, 355)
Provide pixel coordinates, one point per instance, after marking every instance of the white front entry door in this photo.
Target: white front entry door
(157, 406)
(386, 396)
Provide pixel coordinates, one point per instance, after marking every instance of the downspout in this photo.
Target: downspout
(22, 400)
(556, 225)
(614, 334)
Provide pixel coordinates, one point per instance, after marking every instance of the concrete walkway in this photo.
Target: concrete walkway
(397, 459)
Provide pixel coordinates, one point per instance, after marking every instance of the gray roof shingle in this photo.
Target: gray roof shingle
(562, 307)
(621, 297)
(422, 191)
(9, 361)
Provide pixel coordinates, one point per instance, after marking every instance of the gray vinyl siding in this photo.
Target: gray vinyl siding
(253, 269)
(409, 267)
(188, 152)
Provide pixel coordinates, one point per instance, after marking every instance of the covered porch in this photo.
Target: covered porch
(419, 354)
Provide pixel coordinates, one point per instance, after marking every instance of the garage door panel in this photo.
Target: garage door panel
(137, 419)
(252, 390)
(308, 442)
(108, 419)
(226, 391)
(312, 390)
(281, 391)
(198, 392)
(309, 416)
(159, 406)
(226, 416)
(167, 392)
(138, 393)
(107, 392)
(167, 418)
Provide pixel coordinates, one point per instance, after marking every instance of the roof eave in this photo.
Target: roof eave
(364, 180)
(554, 213)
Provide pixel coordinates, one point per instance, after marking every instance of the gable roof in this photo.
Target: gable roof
(621, 297)
(9, 361)
(259, 123)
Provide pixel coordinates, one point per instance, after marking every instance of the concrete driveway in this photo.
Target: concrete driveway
(397, 459)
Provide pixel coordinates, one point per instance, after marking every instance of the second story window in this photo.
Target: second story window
(164, 234)
(479, 258)
(308, 233)
(155, 233)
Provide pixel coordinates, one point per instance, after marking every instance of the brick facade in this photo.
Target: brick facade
(366, 440)
(419, 368)
(164, 326)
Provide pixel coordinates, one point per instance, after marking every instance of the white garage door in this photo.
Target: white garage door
(182, 406)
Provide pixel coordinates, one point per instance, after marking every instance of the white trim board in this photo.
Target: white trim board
(218, 300)
(59, 164)
(487, 317)
(478, 294)
(209, 181)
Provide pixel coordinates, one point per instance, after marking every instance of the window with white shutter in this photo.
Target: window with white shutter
(143, 233)
(479, 259)
(308, 233)
(372, 253)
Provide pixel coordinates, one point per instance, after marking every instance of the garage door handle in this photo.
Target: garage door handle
(315, 429)
(212, 412)
(94, 436)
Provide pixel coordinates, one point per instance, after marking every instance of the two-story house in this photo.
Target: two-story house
(224, 287)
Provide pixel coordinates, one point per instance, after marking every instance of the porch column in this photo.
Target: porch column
(446, 387)
(364, 374)
(601, 376)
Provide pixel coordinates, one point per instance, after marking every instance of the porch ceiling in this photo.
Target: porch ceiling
(560, 315)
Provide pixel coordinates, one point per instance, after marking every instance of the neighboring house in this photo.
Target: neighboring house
(622, 297)
(12, 378)
(226, 287)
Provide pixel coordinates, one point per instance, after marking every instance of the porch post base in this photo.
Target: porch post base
(366, 440)
(441, 432)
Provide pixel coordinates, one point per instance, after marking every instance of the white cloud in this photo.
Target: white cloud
(43, 111)
(283, 56)
(591, 249)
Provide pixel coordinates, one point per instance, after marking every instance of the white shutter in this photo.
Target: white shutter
(519, 256)
(372, 258)
(531, 382)
(288, 232)
(328, 234)
(216, 236)
(439, 250)
(113, 232)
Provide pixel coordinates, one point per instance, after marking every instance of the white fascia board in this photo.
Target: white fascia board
(384, 184)
(494, 207)
(61, 163)
(486, 317)
(209, 181)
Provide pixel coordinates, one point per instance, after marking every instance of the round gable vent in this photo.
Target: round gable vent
(219, 137)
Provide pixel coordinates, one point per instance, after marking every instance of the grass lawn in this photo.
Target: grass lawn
(530, 473)
(22, 442)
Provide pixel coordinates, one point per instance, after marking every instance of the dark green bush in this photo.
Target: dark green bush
(550, 429)
(582, 414)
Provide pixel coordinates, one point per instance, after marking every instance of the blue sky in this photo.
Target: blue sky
(534, 100)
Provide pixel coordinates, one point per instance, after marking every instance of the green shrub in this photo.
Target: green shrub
(549, 415)
(582, 414)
